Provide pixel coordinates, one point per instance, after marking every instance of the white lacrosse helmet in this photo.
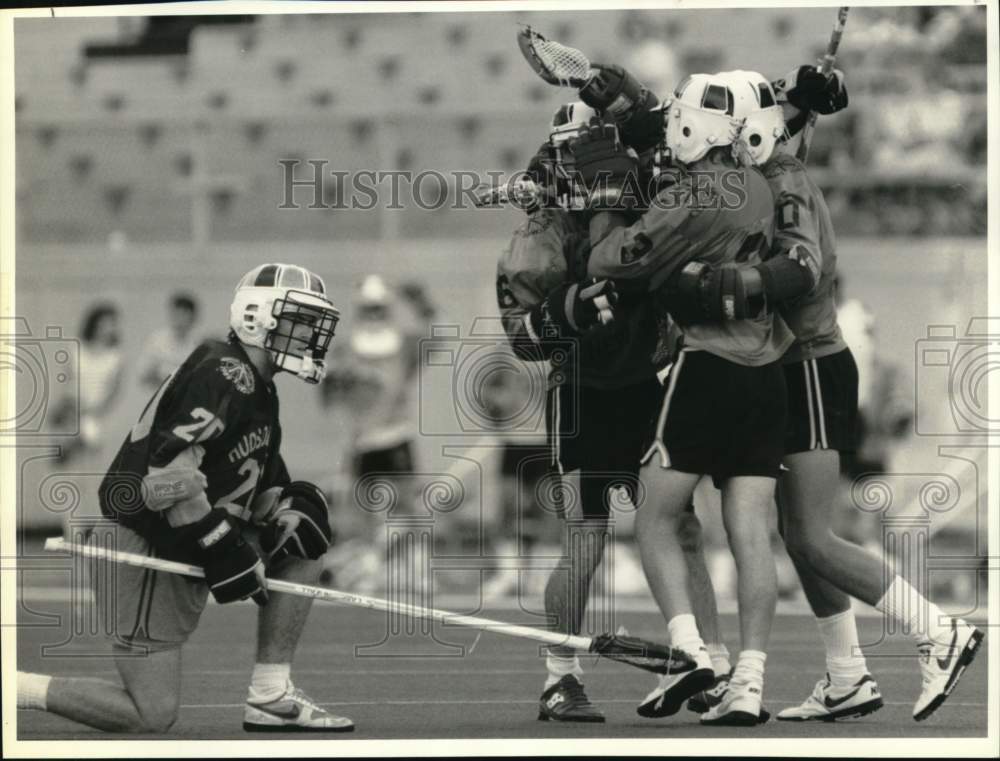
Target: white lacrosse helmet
(701, 116)
(757, 106)
(270, 302)
(375, 332)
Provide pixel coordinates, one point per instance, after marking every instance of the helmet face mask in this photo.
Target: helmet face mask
(283, 309)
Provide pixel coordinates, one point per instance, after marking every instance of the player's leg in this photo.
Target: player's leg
(679, 446)
(563, 697)
(702, 593)
(148, 702)
(273, 702)
(153, 615)
(746, 502)
(746, 471)
(667, 495)
(584, 536)
(705, 608)
(848, 690)
(946, 644)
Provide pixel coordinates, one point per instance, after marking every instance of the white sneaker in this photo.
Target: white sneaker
(292, 712)
(942, 665)
(739, 707)
(674, 689)
(829, 704)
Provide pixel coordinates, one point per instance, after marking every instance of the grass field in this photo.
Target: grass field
(489, 691)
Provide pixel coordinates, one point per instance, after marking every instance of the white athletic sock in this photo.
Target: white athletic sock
(269, 682)
(720, 658)
(683, 633)
(561, 665)
(750, 668)
(33, 690)
(920, 618)
(844, 662)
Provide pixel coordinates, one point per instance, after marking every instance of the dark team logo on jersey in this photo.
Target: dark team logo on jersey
(239, 373)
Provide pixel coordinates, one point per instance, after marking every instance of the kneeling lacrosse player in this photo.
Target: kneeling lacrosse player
(199, 479)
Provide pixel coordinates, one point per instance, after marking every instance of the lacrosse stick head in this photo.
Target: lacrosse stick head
(554, 62)
(649, 656)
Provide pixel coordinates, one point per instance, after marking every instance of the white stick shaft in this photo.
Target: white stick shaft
(56, 544)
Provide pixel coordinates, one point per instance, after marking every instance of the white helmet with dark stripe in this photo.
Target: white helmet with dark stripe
(270, 302)
(701, 116)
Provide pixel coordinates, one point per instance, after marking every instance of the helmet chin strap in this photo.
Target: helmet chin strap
(308, 369)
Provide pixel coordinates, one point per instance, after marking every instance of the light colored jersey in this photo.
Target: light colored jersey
(99, 369)
(715, 213)
(550, 248)
(373, 375)
(802, 218)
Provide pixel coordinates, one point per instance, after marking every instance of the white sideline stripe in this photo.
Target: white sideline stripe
(768, 702)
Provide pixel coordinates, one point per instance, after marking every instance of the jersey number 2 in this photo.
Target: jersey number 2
(205, 426)
(237, 502)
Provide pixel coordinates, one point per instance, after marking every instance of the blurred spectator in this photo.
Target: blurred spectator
(370, 375)
(100, 377)
(884, 406)
(167, 347)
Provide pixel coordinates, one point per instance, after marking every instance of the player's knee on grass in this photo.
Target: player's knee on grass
(158, 717)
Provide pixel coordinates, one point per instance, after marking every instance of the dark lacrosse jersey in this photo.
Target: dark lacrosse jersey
(549, 249)
(715, 213)
(802, 218)
(217, 406)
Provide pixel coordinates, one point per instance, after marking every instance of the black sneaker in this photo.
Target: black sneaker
(702, 701)
(566, 701)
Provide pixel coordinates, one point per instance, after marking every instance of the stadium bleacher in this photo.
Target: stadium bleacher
(311, 80)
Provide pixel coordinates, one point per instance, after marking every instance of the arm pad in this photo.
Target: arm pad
(785, 277)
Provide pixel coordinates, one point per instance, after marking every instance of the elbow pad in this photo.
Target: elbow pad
(787, 276)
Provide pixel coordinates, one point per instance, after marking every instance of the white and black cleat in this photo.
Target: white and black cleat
(741, 706)
(674, 689)
(292, 712)
(829, 704)
(942, 665)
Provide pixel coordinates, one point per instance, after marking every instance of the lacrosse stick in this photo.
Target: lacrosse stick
(825, 67)
(522, 191)
(634, 651)
(554, 62)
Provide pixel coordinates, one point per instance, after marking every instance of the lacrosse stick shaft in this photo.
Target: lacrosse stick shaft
(56, 544)
(826, 66)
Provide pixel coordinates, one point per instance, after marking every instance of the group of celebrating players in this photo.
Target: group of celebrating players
(690, 257)
(686, 259)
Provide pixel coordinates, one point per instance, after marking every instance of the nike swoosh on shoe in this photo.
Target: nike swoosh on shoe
(292, 712)
(834, 702)
(944, 663)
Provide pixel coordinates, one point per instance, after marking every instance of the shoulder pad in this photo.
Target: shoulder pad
(780, 164)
